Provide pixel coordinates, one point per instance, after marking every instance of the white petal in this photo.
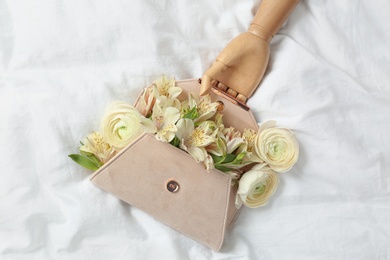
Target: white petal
(248, 180)
(147, 125)
(198, 153)
(234, 144)
(266, 124)
(174, 92)
(238, 201)
(184, 128)
(171, 115)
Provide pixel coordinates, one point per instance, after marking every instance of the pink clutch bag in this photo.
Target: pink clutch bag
(171, 186)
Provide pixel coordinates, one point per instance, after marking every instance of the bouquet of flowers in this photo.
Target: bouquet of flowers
(253, 158)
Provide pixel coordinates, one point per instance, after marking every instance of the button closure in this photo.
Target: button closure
(172, 186)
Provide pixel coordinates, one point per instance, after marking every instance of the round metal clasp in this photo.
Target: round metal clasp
(221, 106)
(173, 186)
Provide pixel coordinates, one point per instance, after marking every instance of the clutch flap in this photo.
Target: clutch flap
(166, 183)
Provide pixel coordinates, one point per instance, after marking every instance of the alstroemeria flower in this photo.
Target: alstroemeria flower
(146, 102)
(229, 149)
(205, 109)
(249, 136)
(277, 147)
(209, 163)
(165, 118)
(234, 140)
(234, 175)
(256, 186)
(231, 133)
(194, 139)
(218, 148)
(219, 122)
(189, 107)
(122, 124)
(95, 144)
(165, 89)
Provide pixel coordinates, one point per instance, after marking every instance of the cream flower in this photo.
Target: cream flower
(234, 140)
(229, 149)
(194, 140)
(122, 123)
(218, 148)
(209, 163)
(231, 133)
(277, 147)
(162, 91)
(256, 186)
(219, 122)
(249, 136)
(164, 88)
(95, 144)
(189, 107)
(165, 119)
(146, 102)
(205, 109)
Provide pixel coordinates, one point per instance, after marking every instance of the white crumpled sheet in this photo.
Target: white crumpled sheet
(62, 62)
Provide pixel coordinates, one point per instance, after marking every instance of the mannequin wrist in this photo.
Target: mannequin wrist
(260, 32)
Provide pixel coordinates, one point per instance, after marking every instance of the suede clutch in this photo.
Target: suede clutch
(166, 182)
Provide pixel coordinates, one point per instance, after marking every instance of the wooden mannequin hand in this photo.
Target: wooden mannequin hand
(239, 67)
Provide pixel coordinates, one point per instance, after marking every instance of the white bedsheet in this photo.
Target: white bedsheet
(62, 62)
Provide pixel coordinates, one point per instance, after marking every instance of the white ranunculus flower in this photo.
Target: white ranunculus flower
(122, 123)
(277, 147)
(256, 186)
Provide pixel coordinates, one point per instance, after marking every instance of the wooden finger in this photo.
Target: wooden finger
(222, 87)
(241, 98)
(231, 92)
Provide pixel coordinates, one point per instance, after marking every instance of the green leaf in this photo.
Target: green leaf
(229, 158)
(217, 159)
(175, 141)
(84, 161)
(239, 158)
(191, 114)
(94, 158)
(222, 168)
